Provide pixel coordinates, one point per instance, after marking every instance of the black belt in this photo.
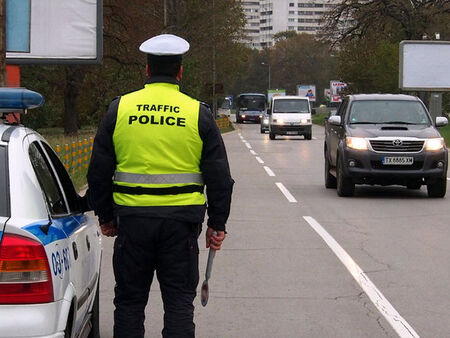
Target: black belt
(157, 191)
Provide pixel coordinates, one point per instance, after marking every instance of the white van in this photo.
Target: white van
(290, 115)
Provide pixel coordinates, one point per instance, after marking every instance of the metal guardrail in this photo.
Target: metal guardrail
(223, 122)
(76, 155)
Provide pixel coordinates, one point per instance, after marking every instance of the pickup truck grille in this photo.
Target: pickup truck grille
(397, 146)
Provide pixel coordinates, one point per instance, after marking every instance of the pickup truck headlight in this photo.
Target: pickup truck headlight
(434, 144)
(357, 143)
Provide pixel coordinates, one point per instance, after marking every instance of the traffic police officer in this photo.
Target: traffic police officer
(155, 150)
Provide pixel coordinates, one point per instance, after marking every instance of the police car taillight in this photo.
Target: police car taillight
(24, 271)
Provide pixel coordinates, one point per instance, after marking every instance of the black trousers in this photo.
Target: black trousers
(169, 247)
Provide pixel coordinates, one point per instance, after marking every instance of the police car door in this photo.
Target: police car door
(73, 261)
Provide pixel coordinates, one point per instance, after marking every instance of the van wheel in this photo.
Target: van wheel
(330, 180)
(345, 186)
(437, 189)
(95, 315)
(308, 136)
(262, 131)
(272, 136)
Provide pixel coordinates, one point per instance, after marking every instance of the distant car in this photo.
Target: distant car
(225, 108)
(265, 120)
(387, 140)
(250, 107)
(49, 249)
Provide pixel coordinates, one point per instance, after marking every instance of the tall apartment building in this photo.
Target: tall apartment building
(302, 16)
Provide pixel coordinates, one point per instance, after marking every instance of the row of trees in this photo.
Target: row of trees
(359, 45)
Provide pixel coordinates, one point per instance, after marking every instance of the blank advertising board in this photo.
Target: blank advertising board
(425, 65)
(54, 31)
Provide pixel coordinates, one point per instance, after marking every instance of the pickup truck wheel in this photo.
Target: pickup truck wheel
(437, 189)
(345, 186)
(330, 180)
(272, 136)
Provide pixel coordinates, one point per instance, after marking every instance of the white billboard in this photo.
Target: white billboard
(335, 88)
(308, 91)
(425, 65)
(54, 31)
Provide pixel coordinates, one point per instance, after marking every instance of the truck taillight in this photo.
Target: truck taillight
(24, 271)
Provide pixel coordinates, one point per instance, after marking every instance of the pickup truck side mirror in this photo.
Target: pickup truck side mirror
(441, 121)
(335, 120)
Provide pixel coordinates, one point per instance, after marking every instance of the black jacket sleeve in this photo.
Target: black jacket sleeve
(102, 166)
(216, 170)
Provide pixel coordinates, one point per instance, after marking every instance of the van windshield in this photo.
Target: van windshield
(251, 102)
(388, 112)
(4, 193)
(291, 106)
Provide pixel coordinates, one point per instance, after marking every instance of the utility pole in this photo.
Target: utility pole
(165, 13)
(2, 43)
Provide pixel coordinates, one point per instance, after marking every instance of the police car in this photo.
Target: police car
(50, 251)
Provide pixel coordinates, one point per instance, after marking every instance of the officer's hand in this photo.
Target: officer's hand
(214, 241)
(109, 228)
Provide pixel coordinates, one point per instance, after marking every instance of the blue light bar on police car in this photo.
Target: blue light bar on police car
(15, 99)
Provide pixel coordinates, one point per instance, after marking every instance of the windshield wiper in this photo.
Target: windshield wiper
(398, 122)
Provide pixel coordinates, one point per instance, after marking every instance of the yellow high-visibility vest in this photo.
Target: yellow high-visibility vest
(158, 148)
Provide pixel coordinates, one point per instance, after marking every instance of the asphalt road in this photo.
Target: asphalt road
(299, 261)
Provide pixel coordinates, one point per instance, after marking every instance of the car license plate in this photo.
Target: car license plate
(398, 160)
(292, 133)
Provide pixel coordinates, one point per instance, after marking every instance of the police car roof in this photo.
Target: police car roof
(19, 99)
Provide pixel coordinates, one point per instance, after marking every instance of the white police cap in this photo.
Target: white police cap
(165, 45)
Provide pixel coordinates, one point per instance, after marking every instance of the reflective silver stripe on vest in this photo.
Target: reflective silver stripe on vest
(158, 178)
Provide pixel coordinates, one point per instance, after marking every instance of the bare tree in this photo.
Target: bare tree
(406, 19)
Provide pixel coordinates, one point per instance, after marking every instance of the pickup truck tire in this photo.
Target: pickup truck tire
(437, 189)
(272, 136)
(330, 180)
(344, 185)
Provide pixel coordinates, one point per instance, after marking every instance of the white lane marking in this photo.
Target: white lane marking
(314, 138)
(448, 179)
(239, 134)
(398, 323)
(269, 171)
(243, 140)
(259, 160)
(248, 145)
(286, 193)
(253, 152)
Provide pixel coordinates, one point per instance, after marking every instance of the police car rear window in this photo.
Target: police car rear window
(4, 191)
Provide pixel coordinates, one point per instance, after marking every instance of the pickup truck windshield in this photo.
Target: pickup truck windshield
(251, 102)
(291, 106)
(388, 112)
(4, 193)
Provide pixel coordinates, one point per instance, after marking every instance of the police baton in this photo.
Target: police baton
(205, 287)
